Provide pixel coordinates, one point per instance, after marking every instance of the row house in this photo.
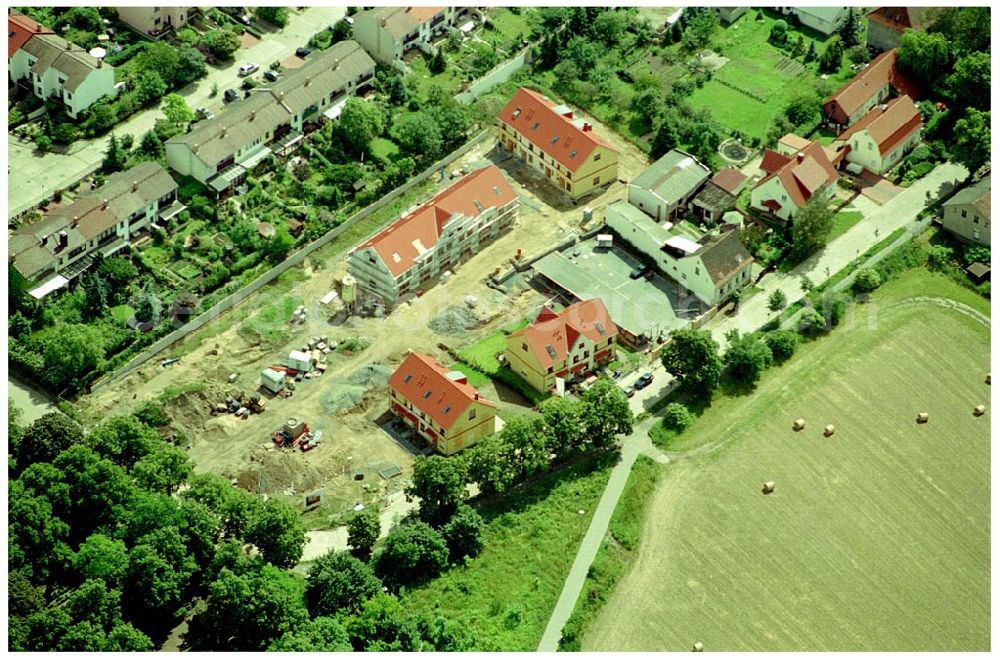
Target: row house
(565, 150)
(967, 213)
(387, 33)
(155, 22)
(872, 86)
(458, 222)
(790, 181)
(711, 267)
(825, 20)
(566, 346)
(219, 152)
(880, 139)
(55, 69)
(62, 245)
(439, 404)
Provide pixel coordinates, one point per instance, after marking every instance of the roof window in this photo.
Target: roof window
(406, 379)
(516, 113)
(534, 127)
(554, 139)
(427, 394)
(600, 328)
(552, 352)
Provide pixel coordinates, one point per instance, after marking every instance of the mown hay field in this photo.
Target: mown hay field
(877, 538)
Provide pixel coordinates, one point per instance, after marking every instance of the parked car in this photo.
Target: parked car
(204, 113)
(249, 68)
(644, 381)
(302, 51)
(629, 392)
(637, 272)
(249, 83)
(230, 96)
(616, 374)
(271, 75)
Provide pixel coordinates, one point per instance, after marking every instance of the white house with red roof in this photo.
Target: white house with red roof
(568, 345)
(427, 240)
(870, 87)
(549, 138)
(880, 139)
(439, 404)
(791, 181)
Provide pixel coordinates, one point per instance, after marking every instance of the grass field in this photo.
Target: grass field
(383, 148)
(877, 538)
(843, 221)
(758, 81)
(505, 596)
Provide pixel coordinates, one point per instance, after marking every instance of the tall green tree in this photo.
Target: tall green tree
(777, 301)
(278, 533)
(102, 558)
(115, 158)
(833, 55)
(971, 144)
(850, 31)
(463, 534)
(222, 43)
(418, 134)
(412, 554)
(274, 15)
(969, 84)
(163, 469)
(339, 582)
(124, 440)
(606, 413)
(810, 226)
(363, 530)
(923, 55)
(45, 438)
(439, 483)
(321, 634)
(563, 417)
(746, 357)
(693, 357)
(176, 110)
(361, 122)
(384, 625)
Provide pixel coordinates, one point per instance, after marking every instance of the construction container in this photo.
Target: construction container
(348, 289)
(588, 213)
(272, 380)
(605, 240)
(300, 361)
(293, 427)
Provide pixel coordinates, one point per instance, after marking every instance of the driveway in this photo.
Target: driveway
(879, 222)
(33, 178)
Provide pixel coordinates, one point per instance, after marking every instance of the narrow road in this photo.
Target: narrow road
(897, 213)
(34, 177)
(636, 443)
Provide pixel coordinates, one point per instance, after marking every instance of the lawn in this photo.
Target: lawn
(383, 148)
(757, 83)
(476, 378)
(877, 538)
(122, 313)
(504, 597)
(843, 221)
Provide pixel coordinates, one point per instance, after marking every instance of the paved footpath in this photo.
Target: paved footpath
(635, 444)
(34, 177)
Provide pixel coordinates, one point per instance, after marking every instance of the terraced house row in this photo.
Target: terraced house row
(219, 152)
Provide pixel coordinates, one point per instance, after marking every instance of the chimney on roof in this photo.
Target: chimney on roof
(63, 239)
(800, 157)
(477, 396)
(568, 114)
(100, 60)
(76, 221)
(383, 21)
(104, 203)
(308, 80)
(45, 237)
(69, 45)
(38, 27)
(587, 127)
(135, 186)
(253, 115)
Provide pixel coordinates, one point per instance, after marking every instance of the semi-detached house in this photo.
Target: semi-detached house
(967, 213)
(455, 224)
(869, 88)
(547, 137)
(880, 139)
(566, 346)
(62, 245)
(789, 182)
(53, 68)
(219, 152)
(711, 268)
(439, 404)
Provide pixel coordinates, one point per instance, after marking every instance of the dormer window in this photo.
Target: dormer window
(516, 113)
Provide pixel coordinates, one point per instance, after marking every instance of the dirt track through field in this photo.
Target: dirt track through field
(876, 538)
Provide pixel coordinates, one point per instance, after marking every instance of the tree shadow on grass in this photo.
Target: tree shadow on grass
(537, 489)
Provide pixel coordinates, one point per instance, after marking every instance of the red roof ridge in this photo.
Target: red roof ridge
(561, 331)
(448, 399)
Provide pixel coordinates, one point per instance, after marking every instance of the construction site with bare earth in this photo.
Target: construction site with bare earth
(210, 384)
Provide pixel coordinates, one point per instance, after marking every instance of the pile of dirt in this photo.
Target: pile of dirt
(454, 321)
(280, 472)
(349, 393)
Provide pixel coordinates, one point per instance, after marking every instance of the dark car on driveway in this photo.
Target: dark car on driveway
(644, 381)
(302, 52)
(230, 95)
(270, 75)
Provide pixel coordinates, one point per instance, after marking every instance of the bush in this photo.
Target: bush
(867, 280)
(918, 171)
(782, 344)
(940, 257)
(412, 554)
(677, 417)
(812, 322)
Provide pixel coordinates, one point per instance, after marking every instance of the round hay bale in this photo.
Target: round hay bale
(799, 425)
(923, 418)
(828, 430)
(767, 488)
(979, 410)
(698, 647)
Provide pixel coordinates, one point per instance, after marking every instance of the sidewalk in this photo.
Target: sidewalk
(34, 177)
(899, 212)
